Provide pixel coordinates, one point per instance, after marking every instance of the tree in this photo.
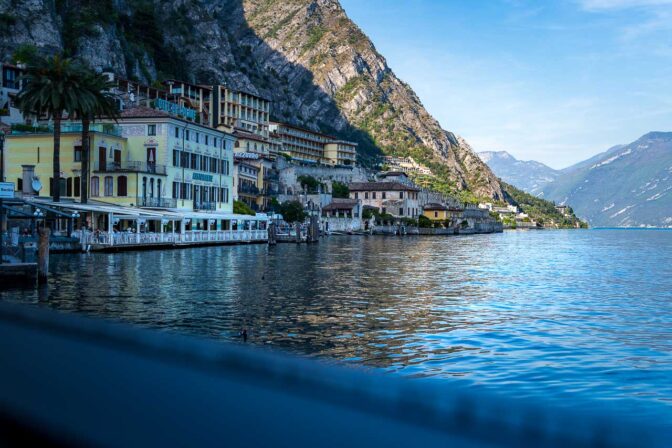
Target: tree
(241, 208)
(292, 211)
(309, 183)
(340, 190)
(52, 86)
(424, 222)
(97, 101)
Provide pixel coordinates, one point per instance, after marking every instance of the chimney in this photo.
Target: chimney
(27, 177)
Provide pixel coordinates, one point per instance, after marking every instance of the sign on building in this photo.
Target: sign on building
(174, 109)
(6, 190)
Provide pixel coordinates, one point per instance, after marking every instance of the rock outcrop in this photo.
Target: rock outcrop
(318, 67)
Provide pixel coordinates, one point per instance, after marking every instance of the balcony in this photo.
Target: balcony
(131, 166)
(158, 202)
(205, 205)
(248, 189)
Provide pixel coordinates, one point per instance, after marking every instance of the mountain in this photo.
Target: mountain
(626, 186)
(529, 176)
(318, 67)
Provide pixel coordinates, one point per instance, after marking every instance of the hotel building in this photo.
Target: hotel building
(313, 147)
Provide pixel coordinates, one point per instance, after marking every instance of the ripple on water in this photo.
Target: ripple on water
(568, 316)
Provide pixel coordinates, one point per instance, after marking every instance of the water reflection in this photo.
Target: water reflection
(556, 314)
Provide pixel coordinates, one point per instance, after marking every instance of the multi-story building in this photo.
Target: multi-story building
(406, 165)
(246, 179)
(399, 200)
(11, 84)
(313, 147)
(149, 159)
(223, 107)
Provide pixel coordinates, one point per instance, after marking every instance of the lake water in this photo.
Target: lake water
(577, 318)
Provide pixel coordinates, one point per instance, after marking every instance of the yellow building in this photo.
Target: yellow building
(435, 212)
(149, 159)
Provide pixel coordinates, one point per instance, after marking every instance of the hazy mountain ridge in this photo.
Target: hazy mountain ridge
(318, 67)
(530, 176)
(625, 186)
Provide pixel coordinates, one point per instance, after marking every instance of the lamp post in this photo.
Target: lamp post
(2, 156)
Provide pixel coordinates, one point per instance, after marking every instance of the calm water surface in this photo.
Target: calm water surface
(574, 317)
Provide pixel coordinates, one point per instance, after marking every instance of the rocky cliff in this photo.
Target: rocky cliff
(318, 67)
(528, 175)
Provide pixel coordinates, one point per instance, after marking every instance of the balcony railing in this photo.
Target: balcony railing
(248, 189)
(158, 202)
(149, 238)
(205, 205)
(132, 166)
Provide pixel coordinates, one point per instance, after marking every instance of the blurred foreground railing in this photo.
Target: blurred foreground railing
(70, 380)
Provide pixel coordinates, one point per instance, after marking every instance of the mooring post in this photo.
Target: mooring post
(43, 254)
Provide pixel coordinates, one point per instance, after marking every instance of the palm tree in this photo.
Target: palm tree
(52, 86)
(98, 101)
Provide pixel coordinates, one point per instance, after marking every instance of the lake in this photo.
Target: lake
(576, 318)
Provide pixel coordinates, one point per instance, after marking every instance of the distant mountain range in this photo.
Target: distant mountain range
(625, 186)
(529, 176)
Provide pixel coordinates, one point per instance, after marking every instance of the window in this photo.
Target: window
(356, 195)
(19, 184)
(76, 189)
(176, 190)
(197, 137)
(206, 139)
(109, 186)
(401, 211)
(122, 186)
(373, 195)
(366, 195)
(158, 188)
(95, 186)
(186, 134)
(78, 154)
(151, 129)
(177, 132)
(194, 157)
(436, 214)
(176, 157)
(401, 195)
(68, 187)
(384, 195)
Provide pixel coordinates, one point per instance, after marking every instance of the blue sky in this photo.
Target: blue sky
(554, 81)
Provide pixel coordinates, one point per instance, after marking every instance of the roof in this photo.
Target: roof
(340, 204)
(149, 112)
(143, 112)
(331, 138)
(434, 206)
(380, 186)
(248, 136)
(394, 174)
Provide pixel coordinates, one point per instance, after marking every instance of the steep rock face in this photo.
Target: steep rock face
(317, 66)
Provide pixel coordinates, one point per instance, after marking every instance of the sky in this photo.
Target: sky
(552, 81)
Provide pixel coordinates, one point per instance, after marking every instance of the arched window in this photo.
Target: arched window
(95, 186)
(151, 187)
(122, 186)
(144, 187)
(108, 186)
(158, 188)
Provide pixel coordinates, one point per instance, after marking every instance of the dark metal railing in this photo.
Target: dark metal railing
(158, 202)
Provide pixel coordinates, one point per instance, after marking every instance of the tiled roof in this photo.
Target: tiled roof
(341, 204)
(248, 136)
(143, 112)
(380, 186)
(434, 206)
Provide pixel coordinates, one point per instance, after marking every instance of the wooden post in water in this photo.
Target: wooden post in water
(298, 232)
(43, 254)
(272, 240)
